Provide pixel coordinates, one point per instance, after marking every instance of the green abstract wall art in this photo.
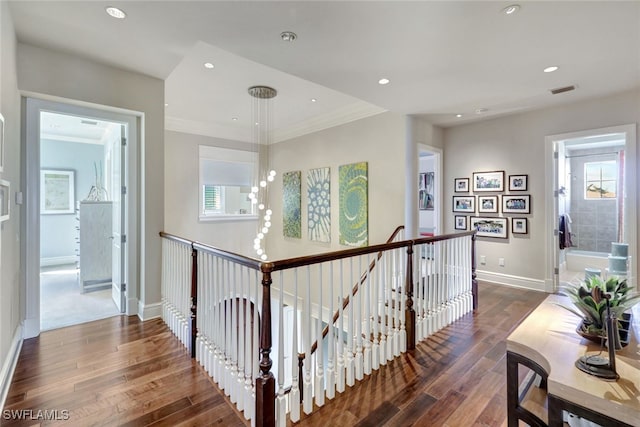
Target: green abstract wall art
(291, 217)
(354, 201)
(319, 204)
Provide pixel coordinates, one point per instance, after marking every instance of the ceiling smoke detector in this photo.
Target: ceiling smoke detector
(562, 89)
(288, 36)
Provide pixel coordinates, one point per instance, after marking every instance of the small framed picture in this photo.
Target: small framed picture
(57, 191)
(487, 204)
(464, 204)
(518, 182)
(519, 226)
(460, 222)
(461, 185)
(516, 204)
(5, 196)
(490, 227)
(488, 181)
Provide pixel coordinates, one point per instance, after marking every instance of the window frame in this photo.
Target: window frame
(599, 181)
(228, 155)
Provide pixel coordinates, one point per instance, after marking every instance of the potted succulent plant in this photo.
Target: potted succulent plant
(593, 310)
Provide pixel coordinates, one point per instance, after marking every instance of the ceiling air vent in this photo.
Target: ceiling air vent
(562, 89)
(88, 122)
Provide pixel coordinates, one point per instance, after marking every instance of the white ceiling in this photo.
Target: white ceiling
(443, 58)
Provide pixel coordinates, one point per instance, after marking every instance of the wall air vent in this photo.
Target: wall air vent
(88, 122)
(562, 89)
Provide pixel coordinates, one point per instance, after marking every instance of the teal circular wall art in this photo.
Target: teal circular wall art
(354, 204)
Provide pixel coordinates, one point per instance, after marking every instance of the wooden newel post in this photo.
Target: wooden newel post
(474, 280)
(194, 300)
(410, 313)
(266, 382)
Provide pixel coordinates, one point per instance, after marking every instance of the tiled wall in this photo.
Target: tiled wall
(594, 222)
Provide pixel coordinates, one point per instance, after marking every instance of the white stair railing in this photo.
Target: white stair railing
(295, 332)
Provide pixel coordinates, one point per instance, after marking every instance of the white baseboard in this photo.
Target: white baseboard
(58, 260)
(149, 311)
(9, 365)
(513, 281)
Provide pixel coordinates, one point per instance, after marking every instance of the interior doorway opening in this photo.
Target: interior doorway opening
(57, 194)
(80, 200)
(594, 206)
(429, 190)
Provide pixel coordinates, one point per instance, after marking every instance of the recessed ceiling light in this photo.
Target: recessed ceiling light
(208, 65)
(481, 110)
(511, 9)
(166, 105)
(383, 81)
(458, 115)
(235, 119)
(550, 69)
(257, 123)
(115, 12)
(288, 36)
(314, 100)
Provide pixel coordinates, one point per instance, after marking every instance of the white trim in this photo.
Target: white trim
(149, 311)
(58, 260)
(513, 281)
(228, 217)
(9, 365)
(31, 213)
(438, 167)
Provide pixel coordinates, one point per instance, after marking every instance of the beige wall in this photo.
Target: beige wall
(55, 74)
(516, 144)
(11, 302)
(182, 192)
(378, 140)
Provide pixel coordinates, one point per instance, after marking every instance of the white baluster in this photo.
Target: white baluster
(308, 362)
(375, 348)
(331, 341)
(281, 404)
(340, 377)
(402, 335)
(294, 396)
(319, 382)
(397, 300)
(367, 320)
(351, 368)
(358, 325)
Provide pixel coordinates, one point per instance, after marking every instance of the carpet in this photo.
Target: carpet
(62, 303)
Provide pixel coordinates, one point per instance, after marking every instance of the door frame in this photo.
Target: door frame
(438, 207)
(551, 184)
(32, 105)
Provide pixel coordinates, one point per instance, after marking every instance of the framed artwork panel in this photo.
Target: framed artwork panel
(488, 204)
(460, 222)
(57, 191)
(490, 227)
(518, 182)
(519, 226)
(5, 196)
(461, 185)
(516, 204)
(464, 204)
(488, 181)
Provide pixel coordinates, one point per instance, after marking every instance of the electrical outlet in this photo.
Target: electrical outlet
(483, 260)
(501, 262)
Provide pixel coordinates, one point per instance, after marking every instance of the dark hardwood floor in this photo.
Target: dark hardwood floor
(121, 371)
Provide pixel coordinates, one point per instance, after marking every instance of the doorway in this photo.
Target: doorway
(594, 201)
(78, 214)
(429, 190)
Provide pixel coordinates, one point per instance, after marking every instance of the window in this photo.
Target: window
(226, 176)
(213, 199)
(600, 180)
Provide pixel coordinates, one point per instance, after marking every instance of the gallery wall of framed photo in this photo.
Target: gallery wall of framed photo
(492, 203)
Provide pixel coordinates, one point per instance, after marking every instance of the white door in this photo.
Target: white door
(116, 158)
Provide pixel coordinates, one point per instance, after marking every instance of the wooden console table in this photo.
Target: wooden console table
(547, 343)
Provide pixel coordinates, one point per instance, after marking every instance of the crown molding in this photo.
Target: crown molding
(346, 114)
